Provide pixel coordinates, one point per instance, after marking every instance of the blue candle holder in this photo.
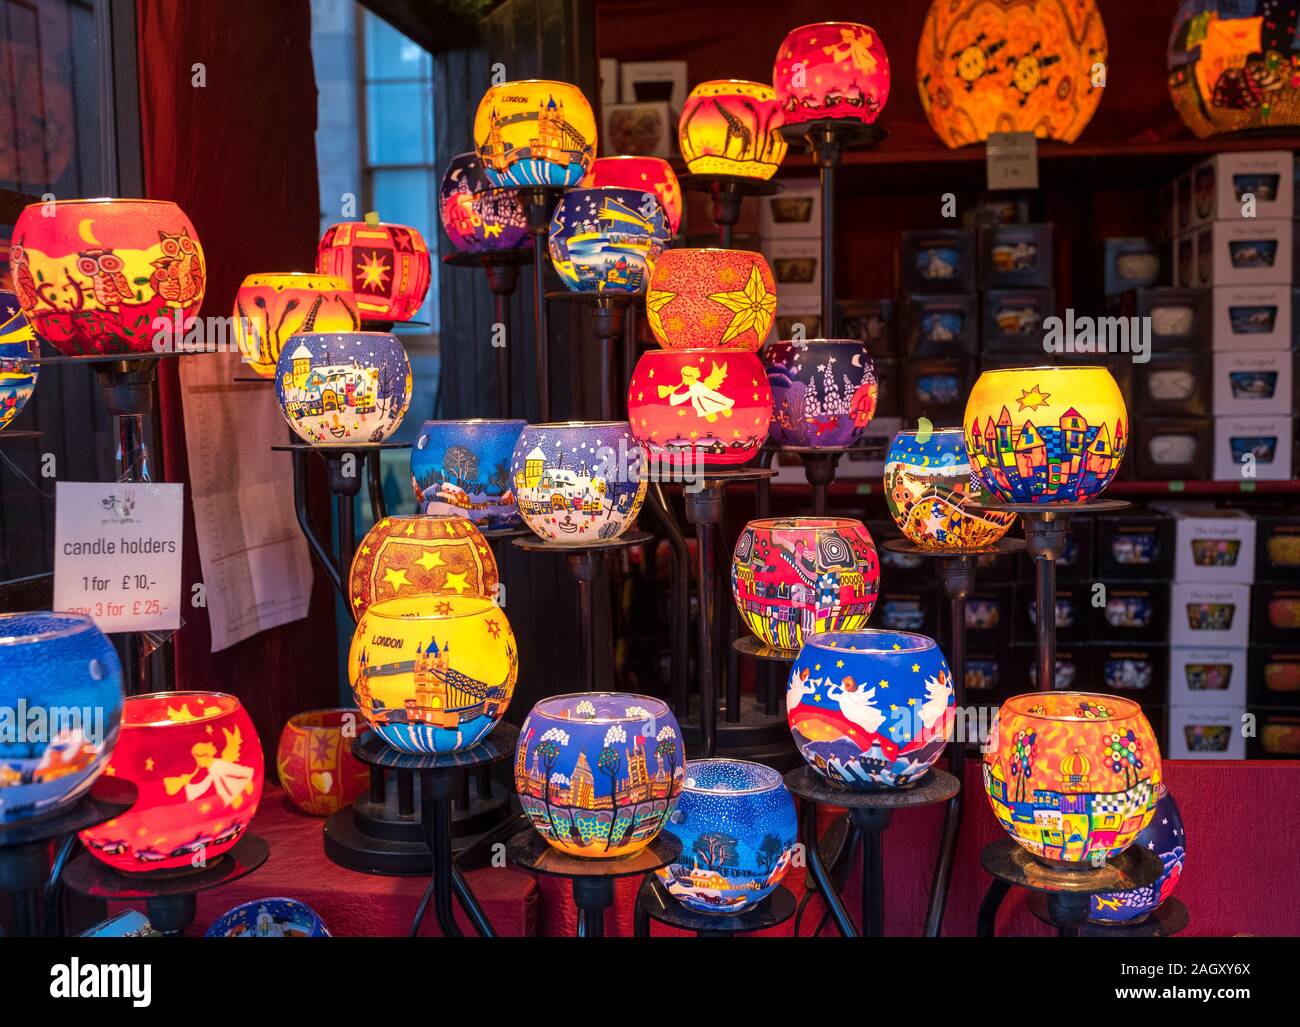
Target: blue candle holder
(462, 468)
(606, 239)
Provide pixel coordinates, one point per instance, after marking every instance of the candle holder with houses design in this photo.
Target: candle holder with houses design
(831, 70)
(823, 391)
(477, 216)
(535, 132)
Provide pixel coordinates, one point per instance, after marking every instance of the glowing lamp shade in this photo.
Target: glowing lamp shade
(643, 175)
(578, 481)
(794, 576)
(433, 674)
(607, 239)
(1234, 66)
(18, 346)
(385, 266)
(463, 468)
(732, 127)
(55, 662)
(314, 760)
(598, 773)
(737, 825)
(996, 66)
(96, 275)
(269, 308)
(1072, 776)
(931, 489)
(699, 407)
(870, 709)
(403, 557)
(535, 132)
(1046, 434)
(269, 918)
(197, 762)
(823, 391)
(343, 387)
(711, 299)
(1164, 836)
(476, 215)
(834, 69)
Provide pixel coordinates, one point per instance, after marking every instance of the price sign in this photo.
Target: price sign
(1011, 160)
(117, 554)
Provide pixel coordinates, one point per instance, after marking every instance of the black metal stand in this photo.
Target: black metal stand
(1169, 918)
(539, 204)
(593, 879)
(728, 192)
(653, 902)
(820, 466)
(607, 317)
(502, 267)
(440, 785)
(679, 584)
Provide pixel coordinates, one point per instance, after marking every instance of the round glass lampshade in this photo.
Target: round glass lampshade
(197, 762)
(737, 825)
(403, 557)
(578, 481)
(699, 407)
(62, 689)
(535, 132)
(343, 387)
(433, 673)
(823, 391)
(269, 918)
(1164, 836)
(732, 127)
(870, 709)
(476, 215)
(607, 239)
(18, 346)
(1046, 434)
(794, 576)
(598, 773)
(833, 69)
(106, 275)
(931, 489)
(314, 760)
(270, 308)
(987, 66)
(711, 299)
(642, 175)
(463, 468)
(1072, 776)
(385, 266)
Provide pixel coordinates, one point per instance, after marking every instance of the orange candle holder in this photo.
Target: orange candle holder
(711, 299)
(318, 772)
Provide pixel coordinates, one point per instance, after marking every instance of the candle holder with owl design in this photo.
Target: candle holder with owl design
(385, 266)
(606, 240)
(711, 298)
(732, 127)
(18, 350)
(535, 132)
(402, 557)
(640, 174)
(270, 308)
(830, 71)
(823, 392)
(477, 216)
(314, 760)
(462, 468)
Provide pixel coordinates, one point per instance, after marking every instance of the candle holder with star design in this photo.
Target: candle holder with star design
(386, 267)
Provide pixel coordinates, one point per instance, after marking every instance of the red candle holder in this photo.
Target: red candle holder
(386, 266)
(314, 759)
(645, 174)
(834, 69)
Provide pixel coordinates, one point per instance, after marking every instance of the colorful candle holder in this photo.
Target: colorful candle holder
(314, 760)
(823, 391)
(535, 132)
(640, 174)
(403, 557)
(270, 308)
(1164, 836)
(343, 388)
(476, 215)
(711, 299)
(385, 266)
(607, 239)
(462, 468)
(732, 127)
(269, 918)
(18, 347)
(834, 69)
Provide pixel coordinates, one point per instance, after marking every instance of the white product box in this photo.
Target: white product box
(646, 81)
(638, 130)
(794, 212)
(1213, 547)
(1251, 317)
(1219, 186)
(1253, 382)
(1206, 733)
(1207, 677)
(797, 266)
(608, 81)
(1256, 251)
(1269, 438)
(1209, 615)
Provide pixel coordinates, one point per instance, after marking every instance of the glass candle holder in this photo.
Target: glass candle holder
(931, 489)
(823, 391)
(462, 468)
(834, 69)
(598, 773)
(711, 299)
(403, 557)
(269, 918)
(535, 132)
(794, 576)
(1046, 434)
(18, 347)
(870, 709)
(343, 388)
(197, 763)
(607, 239)
(737, 825)
(1164, 836)
(1072, 776)
(385, 266)
(106, 276)
(62, 687)
(732, 127)
(699, 408)
(433, 674)
(273, 307)
(643, 175)
(476, 215)
(578, 481)
(318, 772)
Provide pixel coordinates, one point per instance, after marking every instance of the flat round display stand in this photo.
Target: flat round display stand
(18, 434)
(820, 464)
(395, 327)
(756, 648)
(25, 866)
(1169, 918)
(728, 193)
(584, 560)
(608, 310)
(870, 813)
(440, 777)
(653, 902)
(593, 879)
(502, 268)
(1068, 889)
(539, 204)
(169, 896)
(490, 258)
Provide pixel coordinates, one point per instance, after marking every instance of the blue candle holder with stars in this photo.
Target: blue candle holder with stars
(18, 347)
(870, 710)
(1164, 836)
(607, 239)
